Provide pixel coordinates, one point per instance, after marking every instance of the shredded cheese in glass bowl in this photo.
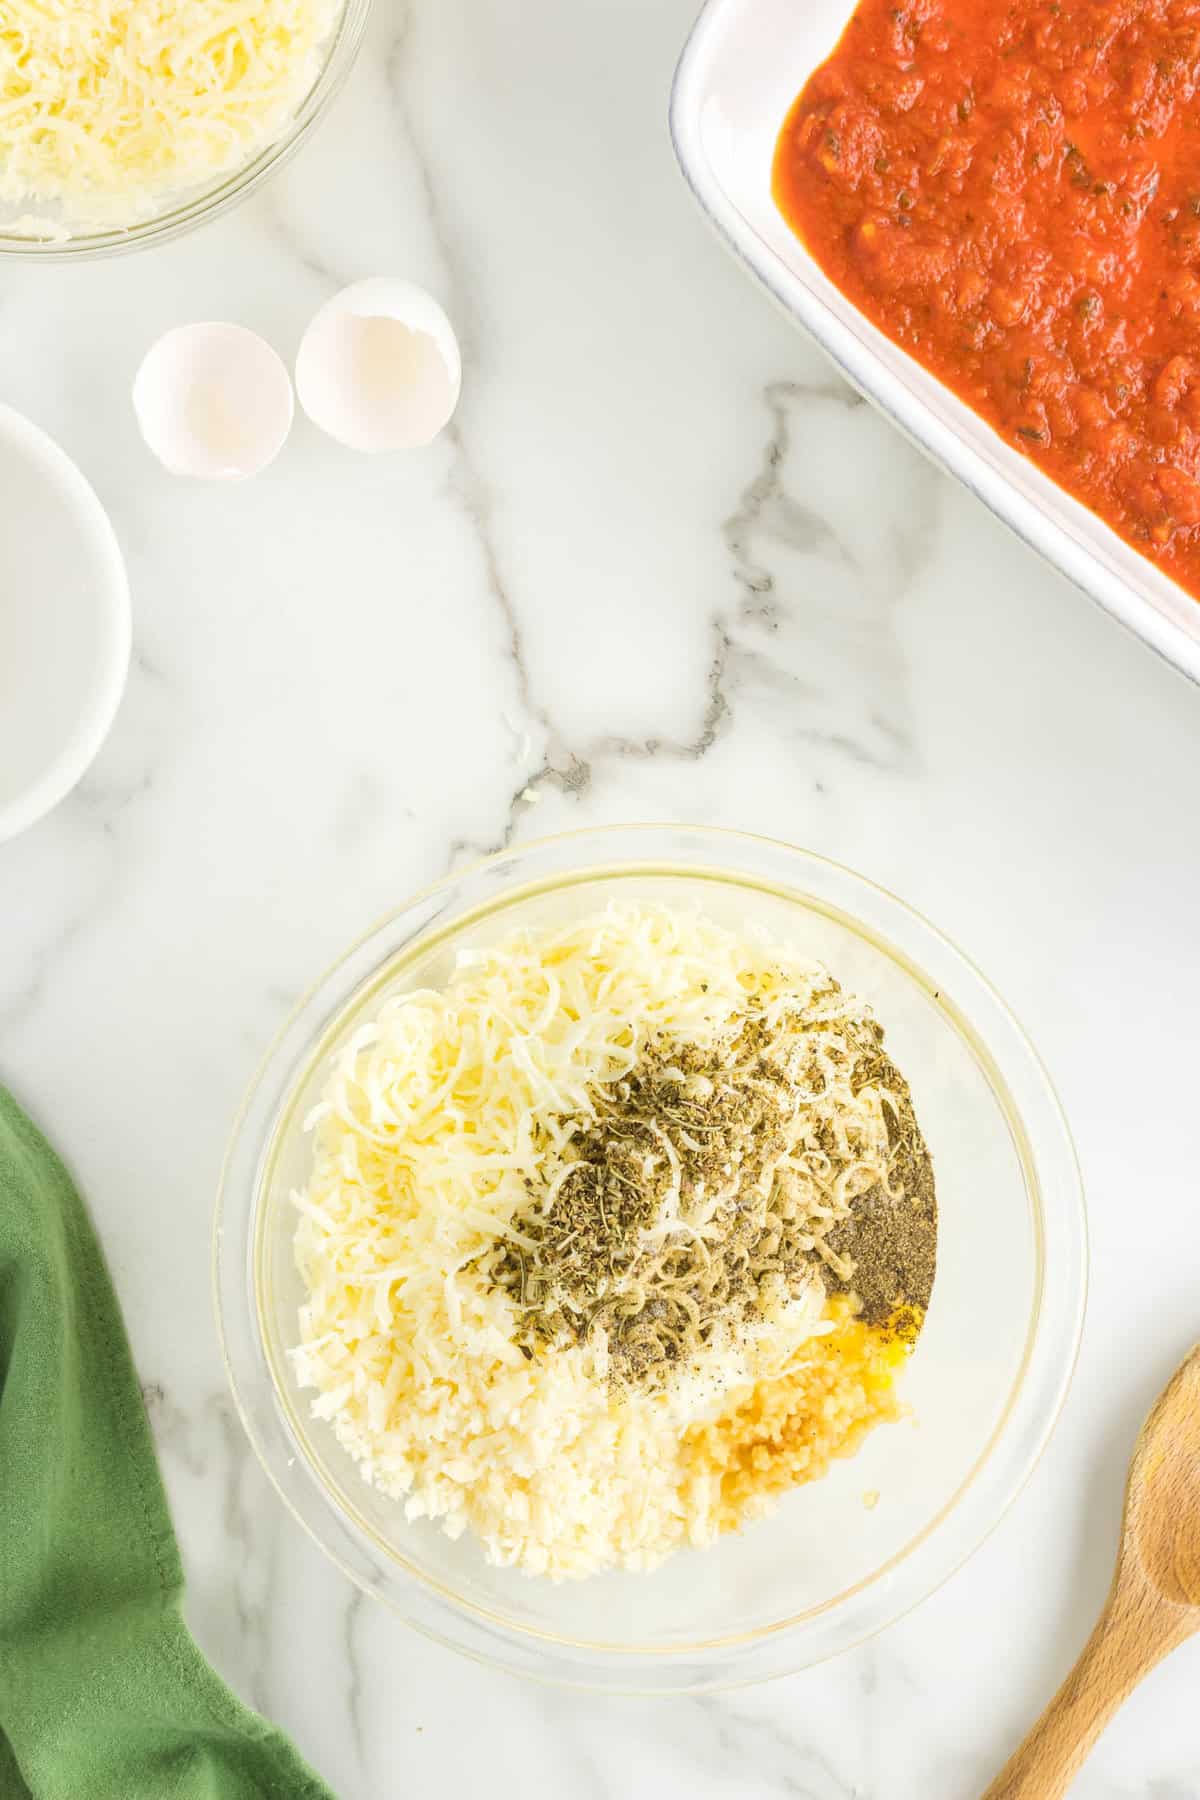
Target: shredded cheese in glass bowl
(375, 1218)
(123, 122)
(555, 1282)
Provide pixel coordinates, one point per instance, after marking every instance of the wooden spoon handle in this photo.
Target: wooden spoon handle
(1130, 1638)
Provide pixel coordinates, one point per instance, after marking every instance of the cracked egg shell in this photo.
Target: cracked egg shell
(213, 401)
(379, 367)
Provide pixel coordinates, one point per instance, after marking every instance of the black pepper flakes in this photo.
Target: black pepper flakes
(892, 1237)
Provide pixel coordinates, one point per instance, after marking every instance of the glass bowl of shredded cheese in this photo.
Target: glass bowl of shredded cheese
(507, 1332)
(127, 123)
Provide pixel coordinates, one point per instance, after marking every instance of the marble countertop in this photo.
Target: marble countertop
(665, 565)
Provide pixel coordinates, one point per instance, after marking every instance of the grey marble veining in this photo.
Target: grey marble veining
(665, 566)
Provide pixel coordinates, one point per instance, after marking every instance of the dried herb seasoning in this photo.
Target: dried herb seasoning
(715, 1184)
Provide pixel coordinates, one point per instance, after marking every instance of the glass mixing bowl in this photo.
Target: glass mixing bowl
(183, 209)
(985, 1383)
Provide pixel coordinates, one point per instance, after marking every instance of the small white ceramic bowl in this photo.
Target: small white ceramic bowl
(64, 623)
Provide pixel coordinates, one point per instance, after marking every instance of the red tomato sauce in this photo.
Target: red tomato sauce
(1012, 192)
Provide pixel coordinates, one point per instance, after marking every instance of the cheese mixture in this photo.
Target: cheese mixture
(579, 1239)
(109, 106)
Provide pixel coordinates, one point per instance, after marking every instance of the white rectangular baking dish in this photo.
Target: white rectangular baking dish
(741, 69)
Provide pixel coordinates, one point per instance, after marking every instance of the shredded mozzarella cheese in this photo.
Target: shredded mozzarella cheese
(115, 103)
(438, 1118)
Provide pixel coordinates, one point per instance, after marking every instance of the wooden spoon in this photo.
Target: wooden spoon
(1154, 1603)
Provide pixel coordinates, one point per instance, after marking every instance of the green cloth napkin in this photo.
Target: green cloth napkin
(103, 1694)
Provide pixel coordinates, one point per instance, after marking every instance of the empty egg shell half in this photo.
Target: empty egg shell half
(379, 367)
(213, 401)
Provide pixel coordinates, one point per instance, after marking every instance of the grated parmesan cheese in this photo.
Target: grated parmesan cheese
(437, 1118)
(112, 104)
